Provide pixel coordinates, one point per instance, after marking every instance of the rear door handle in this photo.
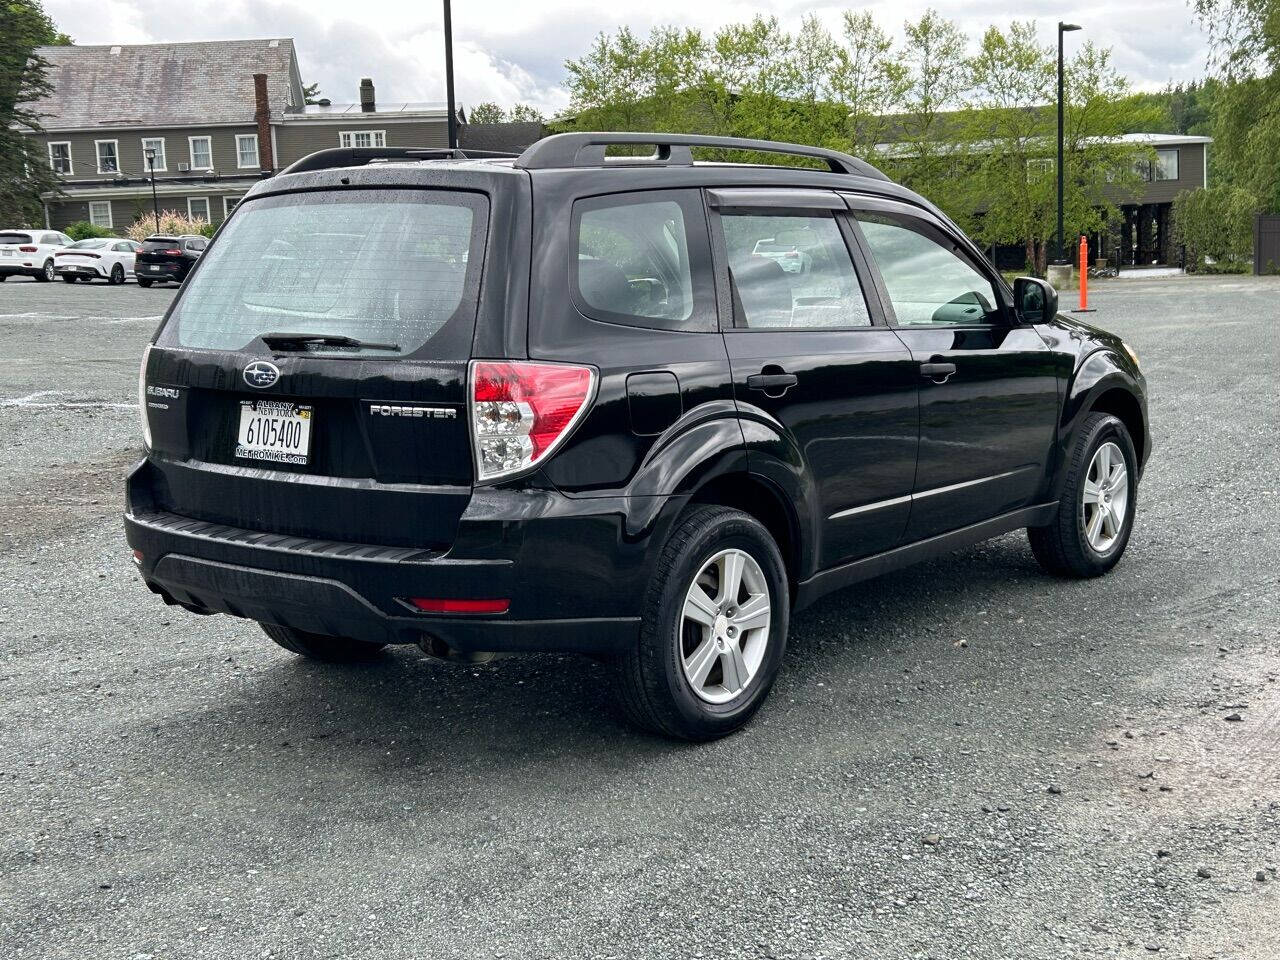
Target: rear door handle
(937, 372)
(772, 382)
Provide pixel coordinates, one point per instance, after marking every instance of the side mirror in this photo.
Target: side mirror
(1036, 300)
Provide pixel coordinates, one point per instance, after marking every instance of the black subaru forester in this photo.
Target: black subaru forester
(637, 407)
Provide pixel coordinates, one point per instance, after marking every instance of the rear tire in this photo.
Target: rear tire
(716, 610)
(144, 283)
(318, 646)
(47, 273)
(1086, 538)
(117, 276)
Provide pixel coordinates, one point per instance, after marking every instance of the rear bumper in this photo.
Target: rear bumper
(79, 270)
(21, 269)
(573, 574)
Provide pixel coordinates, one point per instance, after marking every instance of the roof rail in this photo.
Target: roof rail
(359, 156)
(589, 150)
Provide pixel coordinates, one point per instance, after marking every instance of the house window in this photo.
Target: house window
(362, 138)
(198, 208)
(1039, 168)
(246, 150)
(228, 204)
(1166, 165)
(100, 213)
(156, 144)
(108, 156)
(201, 153)
(60, 157)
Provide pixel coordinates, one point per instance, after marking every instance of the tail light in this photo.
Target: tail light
(29, 249)
(78, 253)
(142, 399)
(521, 411)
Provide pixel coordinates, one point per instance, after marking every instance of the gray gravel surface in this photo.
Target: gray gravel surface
(966, 759)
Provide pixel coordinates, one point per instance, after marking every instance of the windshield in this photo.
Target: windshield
(390, 267)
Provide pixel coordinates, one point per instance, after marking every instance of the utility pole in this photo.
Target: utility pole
(1060, 256)
(448, 75)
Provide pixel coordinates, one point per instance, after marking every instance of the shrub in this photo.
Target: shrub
(172, 223)
(84, 230)
(1216, 224)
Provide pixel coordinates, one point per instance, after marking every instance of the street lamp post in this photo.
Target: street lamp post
(1060, 251)
(448, 74)
(151, 165)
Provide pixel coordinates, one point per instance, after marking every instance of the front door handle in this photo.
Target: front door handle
(937, 372)
(773, 384)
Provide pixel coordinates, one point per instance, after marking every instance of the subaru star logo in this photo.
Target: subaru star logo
(261, 374)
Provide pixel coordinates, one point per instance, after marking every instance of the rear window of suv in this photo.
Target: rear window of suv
(155, 244)
(382, 266)
(15, 238)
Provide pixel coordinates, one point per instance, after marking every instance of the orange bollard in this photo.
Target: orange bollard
(1084, 276)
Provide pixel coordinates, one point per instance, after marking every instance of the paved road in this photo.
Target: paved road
(175, 786)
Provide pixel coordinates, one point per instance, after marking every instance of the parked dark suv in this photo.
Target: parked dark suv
(571, 401)
(167, 258)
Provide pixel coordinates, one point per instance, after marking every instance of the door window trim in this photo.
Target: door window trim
(764, 201)
(963, 248)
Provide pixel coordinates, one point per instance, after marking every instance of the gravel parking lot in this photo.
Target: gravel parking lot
(965, 759)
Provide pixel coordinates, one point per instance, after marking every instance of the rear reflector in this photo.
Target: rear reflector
(137, 557)
(452, 605)
(521, 411)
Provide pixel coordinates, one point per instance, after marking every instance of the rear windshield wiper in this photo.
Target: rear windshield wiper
(300, 341)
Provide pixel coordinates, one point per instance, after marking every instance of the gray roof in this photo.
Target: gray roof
(166, 84)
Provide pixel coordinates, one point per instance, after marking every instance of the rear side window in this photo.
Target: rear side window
(643, 259)
(395, 267)
(791, 271)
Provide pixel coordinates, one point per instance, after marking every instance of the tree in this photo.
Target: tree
(1215, 223)
(311, 93)
(1245, 50)
(24, 79)
(524, 113)
(868, 82)
(487, 112)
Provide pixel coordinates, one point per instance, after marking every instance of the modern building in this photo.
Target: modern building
(216, 116)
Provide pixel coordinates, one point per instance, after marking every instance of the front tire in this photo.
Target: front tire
(1095, 514)
(714, 627)
(145, 283)
(318, 646)
(68, 278)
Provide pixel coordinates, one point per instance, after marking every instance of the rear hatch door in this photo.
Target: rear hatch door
(9, 244)
(160, 255)
(311, 378)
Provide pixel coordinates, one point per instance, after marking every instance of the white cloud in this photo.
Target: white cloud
(512, 52)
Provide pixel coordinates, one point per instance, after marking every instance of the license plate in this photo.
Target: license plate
(154, 269)
(274, 430)
(10, 252)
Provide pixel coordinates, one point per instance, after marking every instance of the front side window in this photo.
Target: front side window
(1166, 165)
(791, 272)
(157, 144)
(108, 156)
(247, 150)
(362, 138)
(100, 213)
(383, 266)
(60, 158)
(198, 208)
(635, 257)
(928, 279)
(201, 153)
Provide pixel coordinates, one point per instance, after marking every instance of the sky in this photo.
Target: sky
(509, 52)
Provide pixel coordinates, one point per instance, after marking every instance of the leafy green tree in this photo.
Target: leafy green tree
(311, 93)
(868, 82)
(1245, 44)
(487, 112)
(24, 79)
(524, 113)
(1215, 223)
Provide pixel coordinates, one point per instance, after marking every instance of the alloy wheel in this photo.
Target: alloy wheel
(723, 630)
(49, 273)
(1106, 497)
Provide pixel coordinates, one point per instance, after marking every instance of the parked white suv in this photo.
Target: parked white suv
(30, 252)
